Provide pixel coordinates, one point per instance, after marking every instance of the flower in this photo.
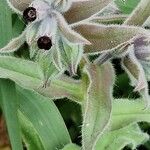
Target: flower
(60, 30)
(48, 33)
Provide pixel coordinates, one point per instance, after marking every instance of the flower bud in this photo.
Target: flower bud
(142, 53)
(142, 48)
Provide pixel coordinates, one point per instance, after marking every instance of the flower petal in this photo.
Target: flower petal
(84, 9)
(48, 27)
(106, 37)
(19, 5)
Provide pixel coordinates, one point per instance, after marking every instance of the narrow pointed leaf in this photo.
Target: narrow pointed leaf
(140, 14)
(97, 108)
(126, 6)
(29, 75)
(131, 136)
(126, 112)
(104, 38)
(112, 19)
(29, 134)
(5, 24)
(9, 103)
(84, 9)
(14, 44)
(46, 119)
(68, 33)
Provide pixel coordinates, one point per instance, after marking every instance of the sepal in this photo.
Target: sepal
(71, 54)
(45, 61)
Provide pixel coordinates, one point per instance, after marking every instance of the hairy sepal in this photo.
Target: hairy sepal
(136, 74)
(71, 54)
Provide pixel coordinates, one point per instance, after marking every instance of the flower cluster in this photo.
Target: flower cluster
(48, 36)
(60, 32)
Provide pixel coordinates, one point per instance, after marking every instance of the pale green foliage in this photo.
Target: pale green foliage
(97, 107)
(126, 112)
(71, 147)
(118, 139)
(9, 104)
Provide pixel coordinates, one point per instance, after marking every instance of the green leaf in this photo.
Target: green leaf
(45, 118)
(18, 25)
(118, 139)
(97, 107)
(127, 6)
(126, 112)
(9, 104)
(5, 23)
(29, 134)
(71, 147)
(140, 14)
(29, 75)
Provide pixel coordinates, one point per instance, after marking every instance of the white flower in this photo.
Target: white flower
(48, 33)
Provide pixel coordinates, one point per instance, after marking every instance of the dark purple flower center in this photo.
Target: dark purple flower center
(29, 14)
(44, 42)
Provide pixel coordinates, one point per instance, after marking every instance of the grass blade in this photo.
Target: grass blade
(5, 23)
(9, 104)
